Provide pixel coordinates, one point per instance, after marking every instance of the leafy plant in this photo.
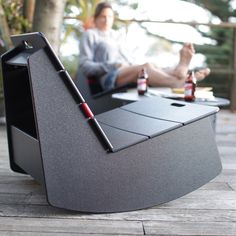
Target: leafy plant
(14, 14)
(12, 22)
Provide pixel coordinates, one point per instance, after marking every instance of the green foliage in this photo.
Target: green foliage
(14, 14)
(220, 8)
(221, 54)
(81, 12)
(71, 64)
(16, 24)
(219, 57)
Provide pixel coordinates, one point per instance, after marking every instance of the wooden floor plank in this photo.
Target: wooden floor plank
(188, 228)
(154, 214)
(23, 224)
(7, 233)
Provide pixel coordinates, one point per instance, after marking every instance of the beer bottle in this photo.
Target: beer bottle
(142, 82)
(190, 87)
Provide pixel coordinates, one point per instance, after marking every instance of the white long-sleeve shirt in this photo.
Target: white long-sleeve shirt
(90, 52)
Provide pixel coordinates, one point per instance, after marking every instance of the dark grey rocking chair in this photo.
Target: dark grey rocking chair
(136, 156)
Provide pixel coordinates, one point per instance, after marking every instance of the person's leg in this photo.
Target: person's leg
(157, 76)
(160, 77)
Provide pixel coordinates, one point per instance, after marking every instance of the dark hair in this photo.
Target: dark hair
(100, 7)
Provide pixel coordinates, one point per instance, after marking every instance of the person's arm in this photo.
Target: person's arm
(87, 65)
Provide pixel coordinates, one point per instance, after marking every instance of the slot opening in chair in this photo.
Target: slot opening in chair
(19, 99)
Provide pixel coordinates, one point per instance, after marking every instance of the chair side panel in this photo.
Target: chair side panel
(81, 176)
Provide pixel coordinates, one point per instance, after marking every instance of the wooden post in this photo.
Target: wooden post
(5, 31)
(233, 87)
(28, 10)
(48, 20)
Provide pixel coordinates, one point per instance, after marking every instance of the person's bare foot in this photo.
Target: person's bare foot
(186, 54)
(202, 73)
(199, 74)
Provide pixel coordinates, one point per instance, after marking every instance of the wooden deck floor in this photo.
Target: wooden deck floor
(211, 210)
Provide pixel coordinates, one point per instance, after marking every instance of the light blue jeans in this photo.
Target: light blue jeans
(107, 53)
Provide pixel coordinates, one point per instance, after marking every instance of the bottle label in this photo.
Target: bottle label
(188, 89)
(142, 84)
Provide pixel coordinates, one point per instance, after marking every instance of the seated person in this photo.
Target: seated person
(101, 58)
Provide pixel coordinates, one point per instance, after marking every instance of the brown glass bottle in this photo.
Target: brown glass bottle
(142, 82)
(190, 87)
